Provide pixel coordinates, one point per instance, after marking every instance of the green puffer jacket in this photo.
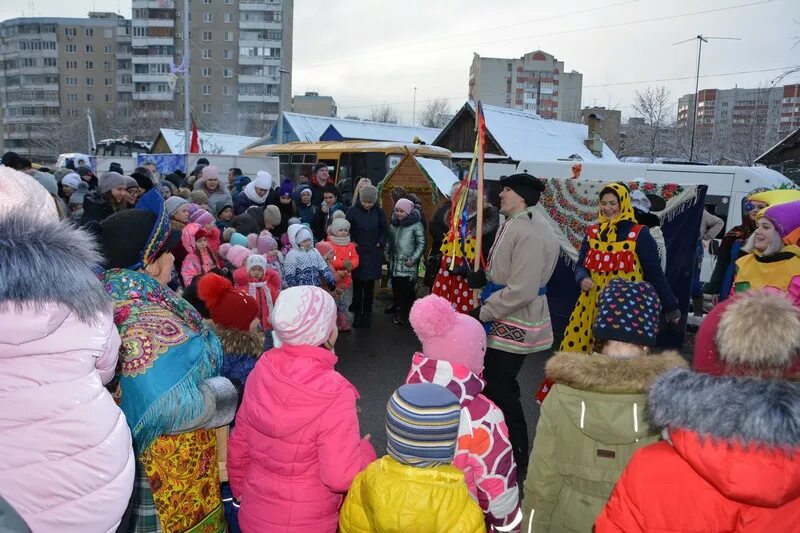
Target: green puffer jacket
(591, 422)
(406, 240)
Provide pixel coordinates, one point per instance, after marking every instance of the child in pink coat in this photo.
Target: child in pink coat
(263, 284)
(296, 446)
(200, 258)
(453, 346)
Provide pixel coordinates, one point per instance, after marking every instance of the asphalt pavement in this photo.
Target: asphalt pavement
(376, 361)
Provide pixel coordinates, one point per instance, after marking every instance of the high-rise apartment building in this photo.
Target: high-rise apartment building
(741, 116)
(536, 82)
(237, 49)
(55, 70)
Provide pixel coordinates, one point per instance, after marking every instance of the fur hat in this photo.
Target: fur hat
(237, 239)
(173, 203)
(210, 172)
(229, 307)
(405, 204)
(528, 187)
(21, 193)
(338, 222)
(272, 215)
(627, 311)
(72, 180)
(324, 248)
(422, 422)
(266, 243)
(115, 167)
(237, 255)
(753, 333)
(111, 180)
(256, 260)
(447, 335)
(369, 193)
(303, 316)
(201, 217)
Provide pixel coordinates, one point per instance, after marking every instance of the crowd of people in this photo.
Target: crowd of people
(172, 340)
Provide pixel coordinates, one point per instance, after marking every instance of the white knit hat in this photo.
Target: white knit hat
(256, 260)
(303, 316)
(20, 193)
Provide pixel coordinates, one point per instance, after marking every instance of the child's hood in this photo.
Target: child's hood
(295, 386)
(188, 237)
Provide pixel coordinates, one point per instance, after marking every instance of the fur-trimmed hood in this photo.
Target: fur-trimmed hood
(50, 262)
(491, 219)
(740, 434)
(239, 342)
(604, 373)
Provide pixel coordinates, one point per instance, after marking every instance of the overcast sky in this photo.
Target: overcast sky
(366, 53)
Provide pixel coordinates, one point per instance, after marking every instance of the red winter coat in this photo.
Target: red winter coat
(342, 253)
(243, 281)
(716, 483)
(296, 446)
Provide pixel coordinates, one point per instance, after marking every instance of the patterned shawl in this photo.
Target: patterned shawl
(608, 227)
(167, 352)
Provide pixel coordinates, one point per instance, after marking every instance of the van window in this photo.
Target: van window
(718, 206)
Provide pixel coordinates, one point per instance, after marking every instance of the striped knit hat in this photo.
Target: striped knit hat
(422, 425)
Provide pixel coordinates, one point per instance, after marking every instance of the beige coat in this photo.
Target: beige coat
(522, 260)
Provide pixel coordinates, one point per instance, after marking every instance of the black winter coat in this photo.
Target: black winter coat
(368, 230)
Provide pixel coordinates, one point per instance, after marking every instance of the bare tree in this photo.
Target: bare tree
(435, 113)
(648, 136)
(353, 117)
(384, 113)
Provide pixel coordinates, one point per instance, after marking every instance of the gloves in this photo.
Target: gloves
(476, 280)
(476, 313)
(673, 317)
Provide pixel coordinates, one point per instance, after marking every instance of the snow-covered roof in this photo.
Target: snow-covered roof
(341, 129)
(308, 128)
(443, 177)
(792, 137)
(526, 136)
(210, 143)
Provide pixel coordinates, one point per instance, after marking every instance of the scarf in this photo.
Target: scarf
(166, 352)
(340, 241)
(250, 192)
(252, 290)
(608, 228)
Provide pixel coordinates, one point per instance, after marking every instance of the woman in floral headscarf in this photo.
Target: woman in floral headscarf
(615, 247)
(169, 384)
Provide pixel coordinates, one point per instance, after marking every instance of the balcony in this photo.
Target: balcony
(149, 60)
(153, 96)
(152, 41)
(258, 79)
(259, 25)
(124, 87)
(150, 78)
(257, 98)
(154, 4)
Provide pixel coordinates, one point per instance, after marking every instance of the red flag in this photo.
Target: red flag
(194, 147)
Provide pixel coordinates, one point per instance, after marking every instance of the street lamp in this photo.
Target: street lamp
(281, 71)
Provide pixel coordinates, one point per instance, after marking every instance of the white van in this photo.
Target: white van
(727, 186)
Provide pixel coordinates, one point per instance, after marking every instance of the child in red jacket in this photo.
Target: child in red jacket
(345, 260)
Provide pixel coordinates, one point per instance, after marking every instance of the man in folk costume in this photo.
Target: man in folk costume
(513, 300)
(169, 384)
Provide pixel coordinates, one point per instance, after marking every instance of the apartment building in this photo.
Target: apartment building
(536, 82)
(723, 114)
(311, 103)
(55, 70)
(237, 49)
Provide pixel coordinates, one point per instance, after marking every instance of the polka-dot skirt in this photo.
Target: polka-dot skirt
(454, 288)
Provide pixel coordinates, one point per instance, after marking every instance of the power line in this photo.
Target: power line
(333, 61)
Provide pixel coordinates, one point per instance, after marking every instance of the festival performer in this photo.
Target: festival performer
(513, 303)
(720, 284)
(773, 254)
(615, 247)
(169, 384)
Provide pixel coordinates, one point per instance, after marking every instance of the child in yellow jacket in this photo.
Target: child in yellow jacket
(414, 487)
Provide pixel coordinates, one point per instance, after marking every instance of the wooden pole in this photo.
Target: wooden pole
(479, 215)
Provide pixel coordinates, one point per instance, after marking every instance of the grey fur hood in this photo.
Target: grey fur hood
(50, 262)
(748, 410)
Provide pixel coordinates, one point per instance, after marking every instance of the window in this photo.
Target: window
(108, 98)
(139, 31)
(206, 108)
(109, 82)
(90, 82)
(206, 53)
(207, 17)
(50, 62)
(207, 36)
(90, 65)
(226, 90)
(89, 32)
(108, 66)
(108, 33)
(108, 49)
(206, 72)
(227, 53)
(70, 32)
(71, 48)
(206, 1)
(72, 112)
(228, 18)
(228, 2)
(227, 73)
(89, 49)
(72, 64)
(90, 97)
(277, 16)
(228, 36)
(72, 97)
(71, 80)
(206, 90)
